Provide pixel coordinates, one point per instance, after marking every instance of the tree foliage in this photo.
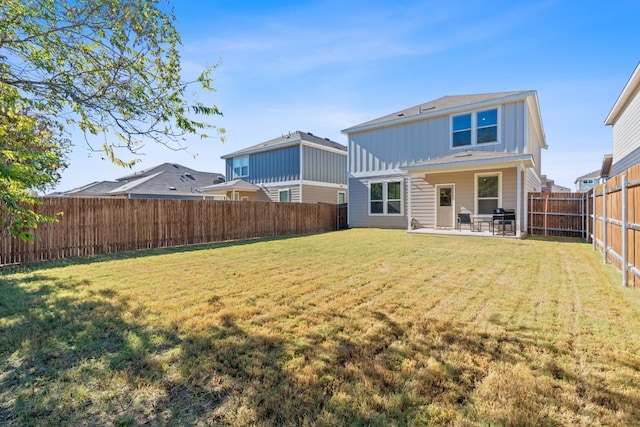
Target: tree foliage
(110, 68)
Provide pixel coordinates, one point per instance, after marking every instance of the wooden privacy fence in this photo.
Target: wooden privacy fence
(91, 226)
(616, 223)
(559, 214)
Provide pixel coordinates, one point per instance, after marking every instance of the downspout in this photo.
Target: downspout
(409, 217)
(518, 199)
(624, 250)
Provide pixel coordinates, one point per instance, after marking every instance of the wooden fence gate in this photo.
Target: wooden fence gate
(559, 214)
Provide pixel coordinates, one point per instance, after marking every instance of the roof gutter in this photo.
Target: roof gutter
(527, 160)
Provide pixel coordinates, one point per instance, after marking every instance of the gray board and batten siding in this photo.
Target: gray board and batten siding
(392, 147)
(323, 166)
(626, 127)
(271, 166)
(318, 160)
(382, 148)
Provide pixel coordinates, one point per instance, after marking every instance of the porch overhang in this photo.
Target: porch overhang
(236, 185)
(470, 161)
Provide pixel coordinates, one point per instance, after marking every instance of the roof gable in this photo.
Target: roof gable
(290, 139)
(441, 106)
(164, 167)
(627, 94)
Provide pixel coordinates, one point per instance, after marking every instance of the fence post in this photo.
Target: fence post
(624, 231)
(593, 223)
(584, 232)
(530, 224)
(546, 205)
(604, 223)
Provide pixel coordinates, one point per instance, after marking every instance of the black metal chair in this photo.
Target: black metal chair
(465, 219)
(503, 218)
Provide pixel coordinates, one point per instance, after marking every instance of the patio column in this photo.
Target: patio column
(409, 203)
(518, 199)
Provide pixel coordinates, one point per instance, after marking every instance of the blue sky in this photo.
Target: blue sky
(323, 66)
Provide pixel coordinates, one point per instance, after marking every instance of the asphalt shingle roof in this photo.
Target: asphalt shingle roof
(167, 179)
(294, 138)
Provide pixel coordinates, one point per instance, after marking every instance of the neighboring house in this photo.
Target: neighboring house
(422, 166)
(549, 186)
(625, 121)
(165, 181)
(297, 167)
(590, 180)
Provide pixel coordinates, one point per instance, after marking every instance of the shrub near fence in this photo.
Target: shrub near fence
(91, 226)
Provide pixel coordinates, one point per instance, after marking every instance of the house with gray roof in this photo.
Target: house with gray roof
(422, 166)
(165, 181)
(624, 118)
(295, 167)
(588, 181)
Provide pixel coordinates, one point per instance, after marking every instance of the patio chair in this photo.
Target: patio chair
(465, 219)
(504, 218)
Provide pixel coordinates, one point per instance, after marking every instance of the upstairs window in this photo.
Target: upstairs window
(487, 126)
(241, 167)
(462, 130)
(475, 128)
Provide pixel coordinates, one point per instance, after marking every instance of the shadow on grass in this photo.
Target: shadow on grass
(134, 254)
(93, 360)
(556, 239)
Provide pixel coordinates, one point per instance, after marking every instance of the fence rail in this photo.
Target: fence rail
(559, 214)
(91, 226)
(616, 223)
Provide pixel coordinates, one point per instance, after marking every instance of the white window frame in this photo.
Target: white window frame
(288, 193)
(344, 193)
(475, 191)
(241, 161)
(474, 128)
(385, 198)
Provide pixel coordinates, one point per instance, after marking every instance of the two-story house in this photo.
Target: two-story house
(588, 181)
(422, 166)
(296, 167)
(624, 118)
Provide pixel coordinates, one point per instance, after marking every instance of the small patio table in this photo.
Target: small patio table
(480, 220)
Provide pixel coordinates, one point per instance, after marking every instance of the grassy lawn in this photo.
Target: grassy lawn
(360, 327)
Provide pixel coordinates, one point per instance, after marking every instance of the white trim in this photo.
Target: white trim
(324, 184)
(385, 199)
(301, 172)
(409, 214)
(475, 189)
(284, 190)
(461, 166)
(625, 97)
(474, 128)
(233, 168)
(300, 182)
(518, 199)
(381, 174)
(453, 203)
(338, 197)
(323, 147)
